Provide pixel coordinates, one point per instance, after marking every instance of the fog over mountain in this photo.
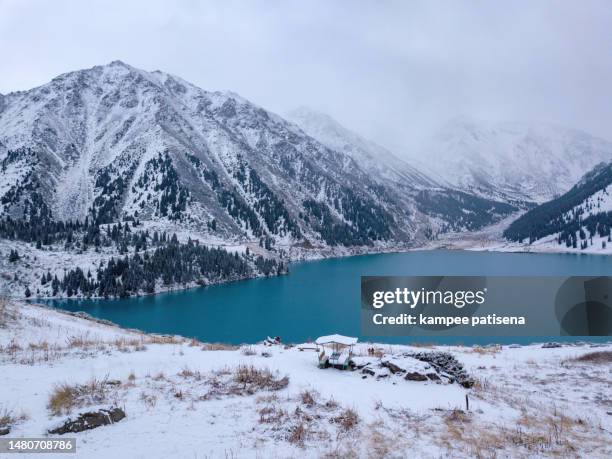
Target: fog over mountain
(510, 161)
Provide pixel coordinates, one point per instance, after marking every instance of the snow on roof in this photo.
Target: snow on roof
(340, 339)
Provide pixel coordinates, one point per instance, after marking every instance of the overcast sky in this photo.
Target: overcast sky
(393, 71)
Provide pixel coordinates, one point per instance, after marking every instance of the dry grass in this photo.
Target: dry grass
(164, 339)
(298, 434)
(6, 314)
(188, 373)
(272, 414)
(257, 378)
(8, 418)
(600, 357)
(308, 398)
(248, 350)
(489, 350)
(218, 347)
(150, 400)
(65, 397)
(537, 432)
(347, 419)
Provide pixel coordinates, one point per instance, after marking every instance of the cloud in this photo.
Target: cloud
(394, 71)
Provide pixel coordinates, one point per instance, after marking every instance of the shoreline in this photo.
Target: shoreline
(384, 251)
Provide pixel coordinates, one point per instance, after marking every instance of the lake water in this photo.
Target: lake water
(318, 297)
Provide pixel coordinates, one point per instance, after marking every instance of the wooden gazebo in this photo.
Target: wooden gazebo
(335, 351)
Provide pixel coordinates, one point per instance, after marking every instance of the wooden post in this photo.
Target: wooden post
(467, 403)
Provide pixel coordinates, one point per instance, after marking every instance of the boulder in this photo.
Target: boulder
(5, 431)
(368, 371)
(414, 376)
(90, 420)
(393, 368)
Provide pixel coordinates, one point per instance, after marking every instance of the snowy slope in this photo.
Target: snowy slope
(114, 141)
(181, 400)
(511, 161)
(580, 220)
(371, 156)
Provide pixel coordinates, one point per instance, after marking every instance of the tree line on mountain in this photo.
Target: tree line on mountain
(462, 211)
(168, 265)
(76, 234)
(369, 225)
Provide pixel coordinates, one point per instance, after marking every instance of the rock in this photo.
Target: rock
(433, 376)
(393, 368)
(414, 376)
(550, 345)
(467, 383)
(90, 420)
(368, 371)
(446, 365)
(5, 431)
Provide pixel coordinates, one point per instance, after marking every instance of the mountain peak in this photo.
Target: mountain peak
(118, 63)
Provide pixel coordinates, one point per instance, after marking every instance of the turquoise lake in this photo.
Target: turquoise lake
(319, 297)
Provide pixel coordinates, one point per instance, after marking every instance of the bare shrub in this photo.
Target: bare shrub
(272, 415)
(269, 398)
(298, 434)
(188, 373)
(347, 419)
(150, 400)
(457, 415)
(308, 398)
(331, 404)
(161, 376)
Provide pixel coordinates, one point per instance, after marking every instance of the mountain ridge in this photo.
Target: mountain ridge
(511, 161)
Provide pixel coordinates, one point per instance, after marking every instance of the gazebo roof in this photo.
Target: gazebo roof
(338, 339)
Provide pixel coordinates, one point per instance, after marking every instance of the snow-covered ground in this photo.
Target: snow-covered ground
(183, 398)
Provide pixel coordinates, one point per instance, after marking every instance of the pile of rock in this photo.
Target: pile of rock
(440, 367)
(447, 366)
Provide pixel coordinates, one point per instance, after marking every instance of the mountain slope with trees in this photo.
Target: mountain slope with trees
(575, 218)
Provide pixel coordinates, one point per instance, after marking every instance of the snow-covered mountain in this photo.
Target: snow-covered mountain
(115, 142)
(511, 161)
(371, 156)
(579, 219)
